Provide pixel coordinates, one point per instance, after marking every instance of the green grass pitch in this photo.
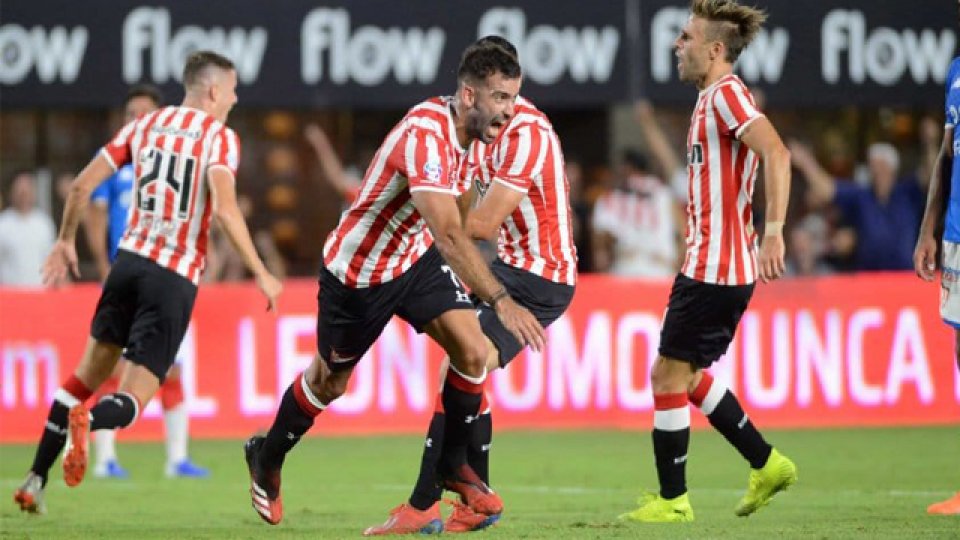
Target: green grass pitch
(854, 483)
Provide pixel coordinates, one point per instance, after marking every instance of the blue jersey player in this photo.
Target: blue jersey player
(943, 203)
(105, 223)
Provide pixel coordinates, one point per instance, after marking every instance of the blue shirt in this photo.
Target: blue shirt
(886, 233)
(951, 230)
(117, 193)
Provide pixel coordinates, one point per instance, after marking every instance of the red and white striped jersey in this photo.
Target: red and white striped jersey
(527, 157)
(721, 241)
(172, 149)
(382, 234)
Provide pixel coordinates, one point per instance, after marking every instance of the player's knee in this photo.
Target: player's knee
(331, 389)
(474, 360)
(666, 378)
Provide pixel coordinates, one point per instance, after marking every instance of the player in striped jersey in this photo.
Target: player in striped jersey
(400, 249)
(185, 164)
(524, 207)
(105, 222)
(728, 137)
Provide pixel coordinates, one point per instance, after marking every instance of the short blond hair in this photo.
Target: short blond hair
(732, 24)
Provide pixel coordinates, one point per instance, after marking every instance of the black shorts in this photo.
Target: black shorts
(146, 309)
(351, 319)
(545, 299)
(701, 319)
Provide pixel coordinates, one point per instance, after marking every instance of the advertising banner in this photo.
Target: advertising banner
(861, 350)
(383, 54)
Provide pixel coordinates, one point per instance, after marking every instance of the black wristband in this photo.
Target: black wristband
(498, 296)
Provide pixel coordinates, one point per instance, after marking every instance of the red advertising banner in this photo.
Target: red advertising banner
(843, 351)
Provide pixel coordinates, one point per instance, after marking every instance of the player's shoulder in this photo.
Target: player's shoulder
(432, 115)
(953, 72)
(433, 108)
(732, 82)
(526, 114)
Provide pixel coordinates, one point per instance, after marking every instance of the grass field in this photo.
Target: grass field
(863, 483)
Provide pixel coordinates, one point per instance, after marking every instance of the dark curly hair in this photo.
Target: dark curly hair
(486, 56)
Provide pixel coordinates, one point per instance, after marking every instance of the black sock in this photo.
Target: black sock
(294, 418)
(428, 490)
(54, 436)
(478, 453)
(461, 401)
(117, 410)
(671, 439)
(52, 440)
(726, 416)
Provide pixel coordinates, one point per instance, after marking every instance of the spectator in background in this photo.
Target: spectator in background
(636, 227)
(581, 213)
(809, 244)
(884, 214)
(345, 183)
(665, 158)
(929, 134)
(26, 235)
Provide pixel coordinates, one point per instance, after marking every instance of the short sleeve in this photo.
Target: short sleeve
(117, 151)
(426, 162)
(736, 108)
(950, 109)
(520, 156)
(225, 151)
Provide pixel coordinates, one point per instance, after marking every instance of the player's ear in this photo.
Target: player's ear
(468, 95)
(717, 50)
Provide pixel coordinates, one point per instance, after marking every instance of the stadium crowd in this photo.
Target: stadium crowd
(860, 185)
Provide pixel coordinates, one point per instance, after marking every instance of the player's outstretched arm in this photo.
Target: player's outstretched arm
(63, 256)
(443, 218)
(763, 139)
(925, 254)
(230, 219)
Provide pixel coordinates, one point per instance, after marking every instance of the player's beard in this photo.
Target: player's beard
(477, 126)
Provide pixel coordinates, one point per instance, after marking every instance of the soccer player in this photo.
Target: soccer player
(925, 254)
(105, 222)
(525, 208)
(728, 137)
(185, 161)
(401, 249)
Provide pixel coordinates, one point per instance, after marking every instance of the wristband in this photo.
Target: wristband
(772, 228)
(497, 296)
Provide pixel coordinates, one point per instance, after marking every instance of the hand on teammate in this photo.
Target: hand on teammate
(271, 288)
(521, 323)
(925, 257)
(61, 260)
(772, 251)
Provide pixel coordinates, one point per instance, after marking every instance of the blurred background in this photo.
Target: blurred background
(855, 90)
(851, 338)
